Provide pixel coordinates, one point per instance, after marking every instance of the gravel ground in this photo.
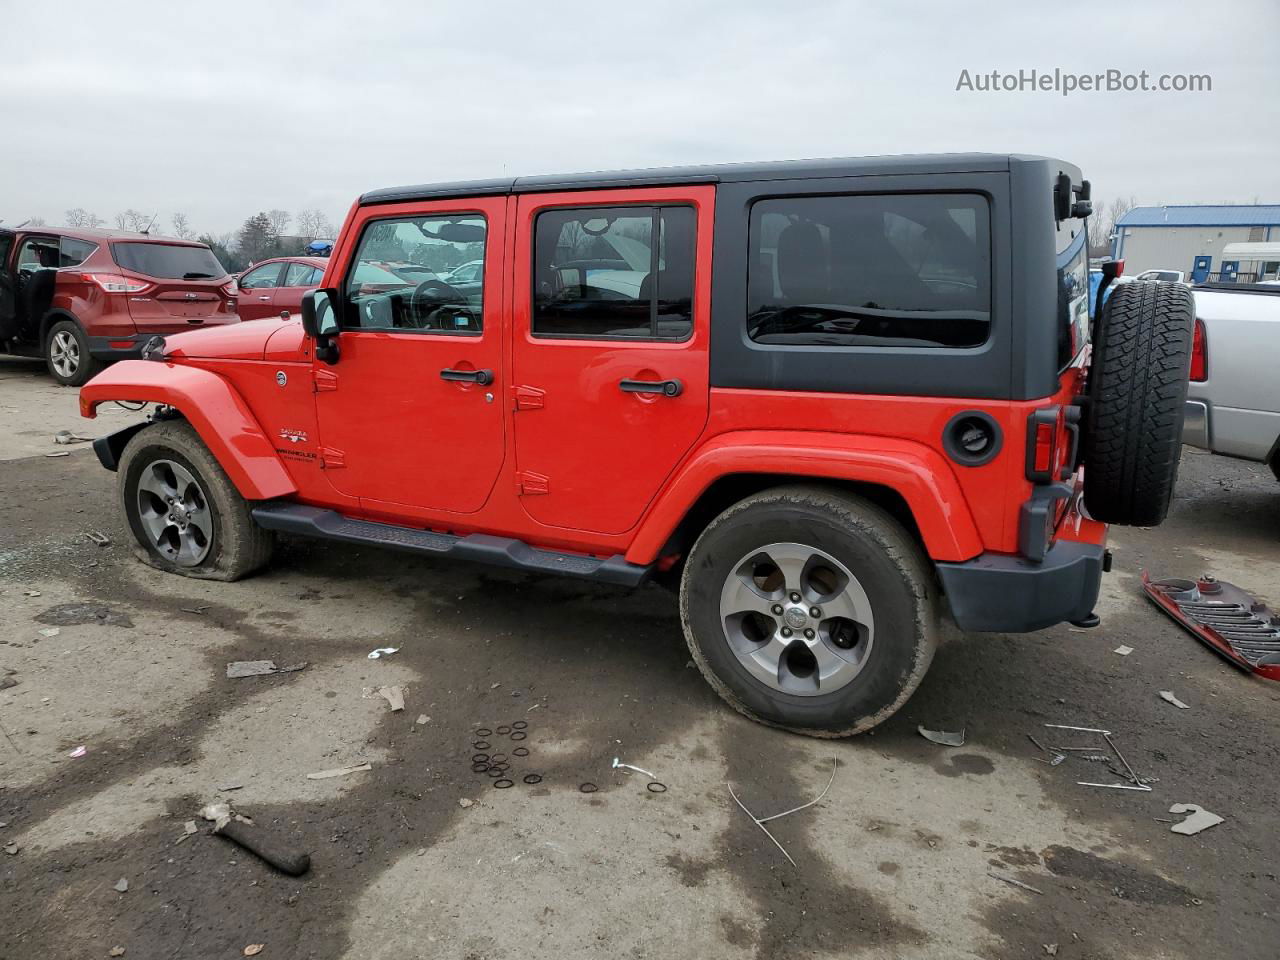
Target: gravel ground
(418, 857)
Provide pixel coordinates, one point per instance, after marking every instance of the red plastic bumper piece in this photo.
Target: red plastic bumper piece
(1224, 618)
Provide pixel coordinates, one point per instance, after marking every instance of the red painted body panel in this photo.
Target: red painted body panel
(240, 341)
(214, 408)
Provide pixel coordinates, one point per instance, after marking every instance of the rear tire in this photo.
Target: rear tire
(840, 671)
(66, 354)
(1137, 391)
(183, 509)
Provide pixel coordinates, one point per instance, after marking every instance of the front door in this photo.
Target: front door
(610, 340)
(8, 293)
(409, 416)
(258, 291)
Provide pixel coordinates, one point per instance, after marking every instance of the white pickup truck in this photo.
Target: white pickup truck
(1233, 401)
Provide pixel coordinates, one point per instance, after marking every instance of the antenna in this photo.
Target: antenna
(147, 230)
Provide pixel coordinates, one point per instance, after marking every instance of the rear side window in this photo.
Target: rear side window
(1073, 293)
(168, 261)
(74, 252)
(891, 270)
(614, 273)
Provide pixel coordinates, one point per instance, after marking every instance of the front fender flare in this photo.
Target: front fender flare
(213, 408)
(919, 474)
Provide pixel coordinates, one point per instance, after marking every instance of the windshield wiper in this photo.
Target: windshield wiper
(197, 276)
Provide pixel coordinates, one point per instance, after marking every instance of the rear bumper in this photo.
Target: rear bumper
(117, 348)
(1007, 594)
(1195, 424)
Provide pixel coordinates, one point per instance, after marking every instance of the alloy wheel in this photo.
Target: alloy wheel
(64, 354)
(797, 619)
(175, 512)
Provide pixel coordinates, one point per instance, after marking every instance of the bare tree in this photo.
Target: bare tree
(78, 217)
(36, 222)
(279, 221)
(1102, 225)
(182, 226)
(134, 220)
(313, 224)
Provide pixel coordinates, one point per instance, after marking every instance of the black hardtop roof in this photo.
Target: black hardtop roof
(715, 173)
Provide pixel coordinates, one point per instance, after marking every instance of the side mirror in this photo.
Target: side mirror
(320, 322)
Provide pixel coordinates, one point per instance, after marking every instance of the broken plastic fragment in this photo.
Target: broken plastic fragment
(1123, 650)
(626, 766)
(1167, 695)
(944, 737)
(122, 885)
(1200, 819)
(338, 772)
(79, 751)
(383, 651)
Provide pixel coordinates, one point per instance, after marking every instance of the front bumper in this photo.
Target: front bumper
(1008, 594)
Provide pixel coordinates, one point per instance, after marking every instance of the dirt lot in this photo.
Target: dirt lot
(894, 863)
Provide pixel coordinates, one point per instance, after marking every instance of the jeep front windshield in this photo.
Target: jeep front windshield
(402, 276)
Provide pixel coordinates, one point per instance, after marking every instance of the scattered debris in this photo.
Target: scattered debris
(50, 632)
(245, 833)
(1012, 882)
(943, 738)
(31, 593)
(1168, 697)
(1142, 784)
(1199, 819)
(253, 949)
(1124, 652)
(11, 848)
(73, 614)
(116, 952)
(393, 695)
(122, 885)
(1226, 619)
(1050, 948)
(78, 752)
(618, 764)
(761, 821)
(381, 652)
(199, 611)
(422, 719)
(188, 829)
(97, 537)
(228, 787)
(464, 803)
(64, 437)
(260, 668)
(338, 772)
(60, 453)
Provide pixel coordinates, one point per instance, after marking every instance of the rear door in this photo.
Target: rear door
(299, 277)
(409, 416)
(258, 288)
(610, 340)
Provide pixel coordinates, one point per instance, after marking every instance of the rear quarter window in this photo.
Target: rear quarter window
(893, 270)
(1073, 292)
(168, 261)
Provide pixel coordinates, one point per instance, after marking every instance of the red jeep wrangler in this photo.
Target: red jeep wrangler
(835, 401)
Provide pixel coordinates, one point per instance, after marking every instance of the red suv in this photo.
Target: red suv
(833, 402)
(80, 298)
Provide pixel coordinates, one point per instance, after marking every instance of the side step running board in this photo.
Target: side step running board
(477, 547)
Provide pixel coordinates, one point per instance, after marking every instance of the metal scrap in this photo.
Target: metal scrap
(761, 821)
(1012, 882)
(338, 772)
(1168, 697)
(259, 668)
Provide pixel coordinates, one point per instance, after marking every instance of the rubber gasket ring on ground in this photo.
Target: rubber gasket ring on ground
(498, 758)
(482, 732)
(500, 767)
(481, 745)
(656, 786)
(503, 730)
(518, 734)
(588, 788)
(495, 772)
(532, 778)
(520, 752)
(503, 784)
(480, 758)
(519, 724)
(479, 768)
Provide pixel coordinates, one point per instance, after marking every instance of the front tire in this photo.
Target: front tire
(183, 509)
(810, 609)
(66, 354)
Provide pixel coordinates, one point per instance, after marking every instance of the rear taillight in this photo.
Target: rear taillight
(115, 283)
(1046, 433)
(230, 289)
(1199, 353)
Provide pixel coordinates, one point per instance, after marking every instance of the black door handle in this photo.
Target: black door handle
(482, 377)
(668, 388)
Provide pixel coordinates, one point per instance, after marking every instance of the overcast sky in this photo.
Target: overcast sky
(226, 108)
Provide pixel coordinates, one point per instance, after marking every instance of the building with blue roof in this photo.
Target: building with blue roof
(1193, 238)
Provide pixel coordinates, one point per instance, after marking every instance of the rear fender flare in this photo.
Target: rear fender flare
(213, 408)
(917, 473)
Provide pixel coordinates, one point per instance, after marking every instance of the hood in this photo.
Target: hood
(236, 341)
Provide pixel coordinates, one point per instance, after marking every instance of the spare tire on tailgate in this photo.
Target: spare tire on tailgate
(1137, 390)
